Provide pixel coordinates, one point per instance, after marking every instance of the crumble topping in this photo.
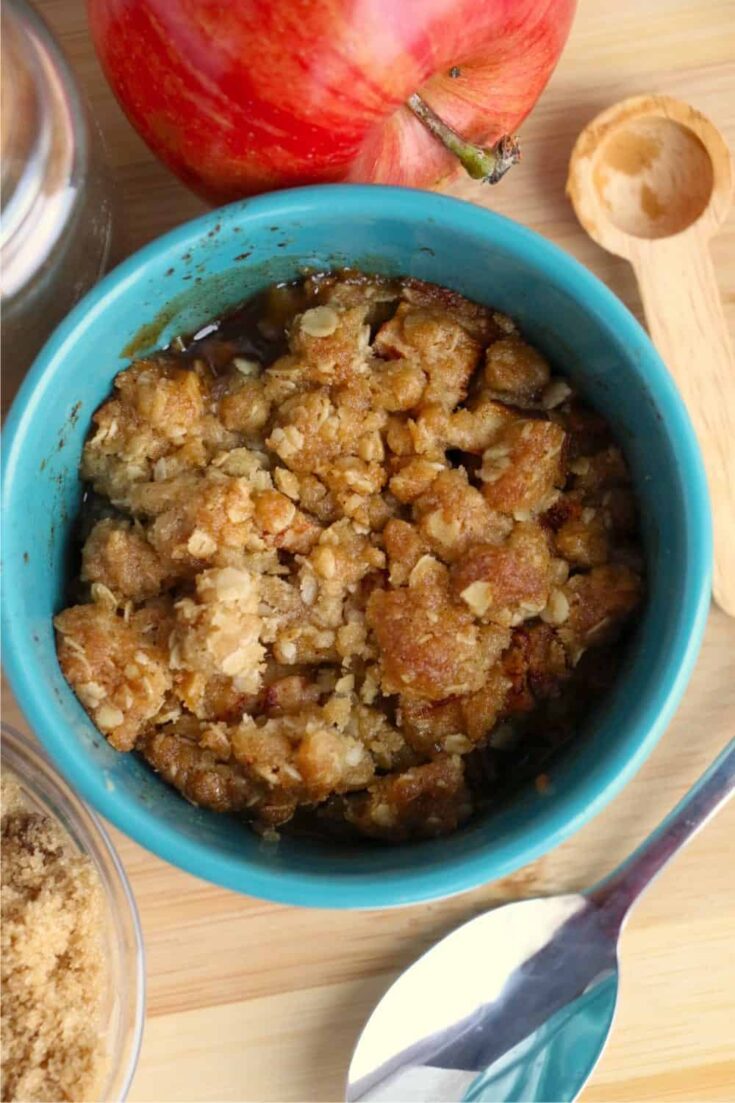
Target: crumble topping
(352, 555)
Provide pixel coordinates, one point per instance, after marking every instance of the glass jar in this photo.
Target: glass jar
(123, 1012)
(56, 220)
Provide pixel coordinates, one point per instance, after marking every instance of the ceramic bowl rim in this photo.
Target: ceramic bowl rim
(570, 810)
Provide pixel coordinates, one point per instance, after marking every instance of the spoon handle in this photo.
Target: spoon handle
(688, 326)
(616, 893)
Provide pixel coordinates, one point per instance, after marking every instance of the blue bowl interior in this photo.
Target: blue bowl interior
(208, 266)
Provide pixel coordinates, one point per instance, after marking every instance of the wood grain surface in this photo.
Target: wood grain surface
(254, 1001)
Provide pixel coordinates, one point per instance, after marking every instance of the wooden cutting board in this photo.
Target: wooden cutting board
(253, 1001)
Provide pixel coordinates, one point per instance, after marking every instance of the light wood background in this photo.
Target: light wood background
(253, 1001)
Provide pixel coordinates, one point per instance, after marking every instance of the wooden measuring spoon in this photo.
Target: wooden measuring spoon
(651, 180)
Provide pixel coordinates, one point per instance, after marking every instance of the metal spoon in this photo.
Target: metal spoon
(517, 1004)
(651, 180)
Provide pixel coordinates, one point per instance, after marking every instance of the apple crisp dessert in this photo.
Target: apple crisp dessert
(352, 558)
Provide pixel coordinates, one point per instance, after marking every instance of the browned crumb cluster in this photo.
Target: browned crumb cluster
(52, 966)
(350, 547)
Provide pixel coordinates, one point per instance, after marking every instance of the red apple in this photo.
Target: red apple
(241, 96)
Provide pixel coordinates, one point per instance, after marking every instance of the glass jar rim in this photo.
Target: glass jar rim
(40, 179)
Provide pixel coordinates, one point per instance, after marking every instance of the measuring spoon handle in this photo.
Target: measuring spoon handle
(687, 323)
(615, 894)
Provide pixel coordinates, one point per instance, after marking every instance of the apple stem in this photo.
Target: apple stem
(482, 163)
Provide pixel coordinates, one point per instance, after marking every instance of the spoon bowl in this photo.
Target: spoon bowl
(505, 1017)
(649, 168)
(654, 177)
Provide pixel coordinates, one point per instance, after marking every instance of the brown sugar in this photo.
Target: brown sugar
(52, 964)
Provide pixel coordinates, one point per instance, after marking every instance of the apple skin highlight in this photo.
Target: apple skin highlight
(245, 96)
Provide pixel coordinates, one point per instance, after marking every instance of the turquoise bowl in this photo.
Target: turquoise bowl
(205, 267)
